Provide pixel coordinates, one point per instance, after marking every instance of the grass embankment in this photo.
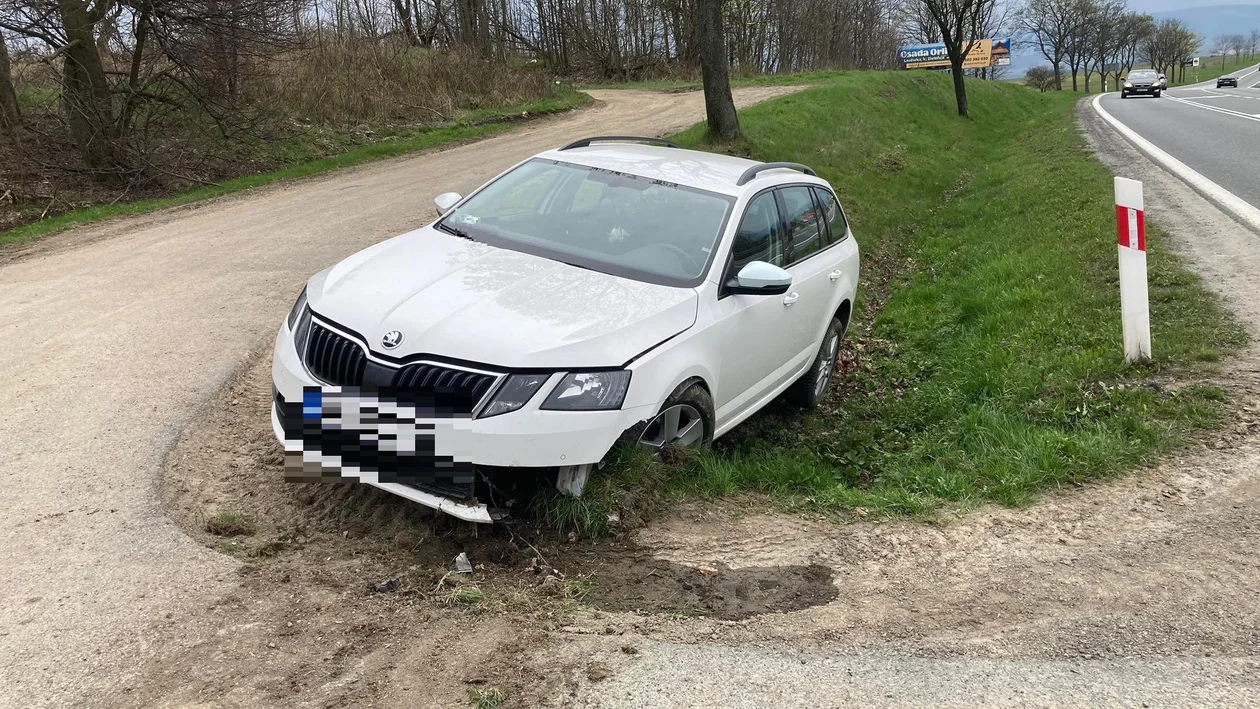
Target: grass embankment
(987, 363)
(470, 125)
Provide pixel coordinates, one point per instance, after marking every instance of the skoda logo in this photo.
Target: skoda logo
(392, 339)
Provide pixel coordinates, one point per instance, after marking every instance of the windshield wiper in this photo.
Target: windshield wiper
(454, 231)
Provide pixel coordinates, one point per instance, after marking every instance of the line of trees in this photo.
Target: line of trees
(1237, 44)
(120, 63)
(1103, 38)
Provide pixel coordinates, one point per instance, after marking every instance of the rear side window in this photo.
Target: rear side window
(832, 215)
(760, 235)
(806, 234)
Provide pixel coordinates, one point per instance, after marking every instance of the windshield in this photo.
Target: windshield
(607, 221)
(1142, 76)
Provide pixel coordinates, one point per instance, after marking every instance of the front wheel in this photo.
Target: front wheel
(808, 391)
(1156, 94)
(686, 419)
(1124, 94)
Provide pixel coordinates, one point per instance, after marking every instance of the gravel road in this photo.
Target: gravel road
(116, 335)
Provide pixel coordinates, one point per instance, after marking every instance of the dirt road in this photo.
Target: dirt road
(113, 337)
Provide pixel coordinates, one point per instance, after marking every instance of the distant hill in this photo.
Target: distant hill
(1215, 20)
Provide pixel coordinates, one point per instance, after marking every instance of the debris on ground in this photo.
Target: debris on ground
(597, 671)
(386, 586)
(462, 564)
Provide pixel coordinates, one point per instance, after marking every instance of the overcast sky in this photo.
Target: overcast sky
(1163, 5)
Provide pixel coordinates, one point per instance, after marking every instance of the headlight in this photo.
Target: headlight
(589, 391)
(1128, 84)
(297, 308)
(515, 393)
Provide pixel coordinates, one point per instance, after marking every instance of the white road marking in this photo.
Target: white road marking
(1217, 109)
(1241, 210)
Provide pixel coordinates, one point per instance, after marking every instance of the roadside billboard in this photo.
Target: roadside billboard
(983, 53)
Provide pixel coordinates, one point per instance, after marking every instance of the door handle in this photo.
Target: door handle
(835, 275)
(791, 298)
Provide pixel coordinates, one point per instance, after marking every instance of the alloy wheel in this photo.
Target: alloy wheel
(680, 424)
(829, 365)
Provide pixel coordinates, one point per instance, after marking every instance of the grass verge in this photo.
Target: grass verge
(472, 125)
(985, 360)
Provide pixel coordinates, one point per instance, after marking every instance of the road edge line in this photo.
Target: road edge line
(1244, 212)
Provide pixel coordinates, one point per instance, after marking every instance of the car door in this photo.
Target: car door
(841, 256)
(753, 333)
(811, 267)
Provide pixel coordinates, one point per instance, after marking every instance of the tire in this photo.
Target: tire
(809, 390)
(1157, 94)
(1124, 94)
(688, 402)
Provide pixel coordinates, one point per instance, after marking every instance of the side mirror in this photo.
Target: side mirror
(760, 278)
(446, 200)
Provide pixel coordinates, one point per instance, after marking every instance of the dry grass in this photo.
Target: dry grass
(296, 108)
(369, 82)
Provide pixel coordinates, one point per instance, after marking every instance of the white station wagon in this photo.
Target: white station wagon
(616, 289)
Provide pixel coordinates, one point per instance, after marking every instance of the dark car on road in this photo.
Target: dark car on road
(1227, 81)
(1142, 81)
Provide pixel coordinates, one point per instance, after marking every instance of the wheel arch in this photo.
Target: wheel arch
(844, 313)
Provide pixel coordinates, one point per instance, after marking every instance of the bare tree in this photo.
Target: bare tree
(1238, 44)
(1040, 78)
(959, 22)
(916, 24)
(1082, 13)
(719, 106)
(1053, 25)
(1253, 42)
(10, 116)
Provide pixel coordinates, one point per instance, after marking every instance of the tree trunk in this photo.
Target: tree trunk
(719, 106)
(1058, 77)
(85, 98)
(9, 114)
(960, 88)
(403, 11)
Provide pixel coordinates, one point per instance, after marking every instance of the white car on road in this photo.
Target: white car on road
(614, 289)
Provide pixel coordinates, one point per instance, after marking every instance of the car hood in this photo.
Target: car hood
(456, 298)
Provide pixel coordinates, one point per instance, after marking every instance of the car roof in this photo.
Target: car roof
(692, 168)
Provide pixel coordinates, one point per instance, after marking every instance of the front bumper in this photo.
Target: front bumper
(526, 439)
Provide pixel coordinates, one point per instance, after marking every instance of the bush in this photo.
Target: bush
(1040, 78)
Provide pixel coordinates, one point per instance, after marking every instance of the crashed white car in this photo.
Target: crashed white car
(615, 289)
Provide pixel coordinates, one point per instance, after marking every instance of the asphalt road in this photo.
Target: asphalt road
(1214, 131)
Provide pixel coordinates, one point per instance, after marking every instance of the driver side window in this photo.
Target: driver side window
(760, 235)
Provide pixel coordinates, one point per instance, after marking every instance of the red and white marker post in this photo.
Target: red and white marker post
(1135, 309)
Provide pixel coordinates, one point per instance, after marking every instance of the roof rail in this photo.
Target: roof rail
(752, 172)
(618, 139)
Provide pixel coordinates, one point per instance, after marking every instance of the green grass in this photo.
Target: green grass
(472, 125)
(486, 698)
(994, 369)
(227, 523)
